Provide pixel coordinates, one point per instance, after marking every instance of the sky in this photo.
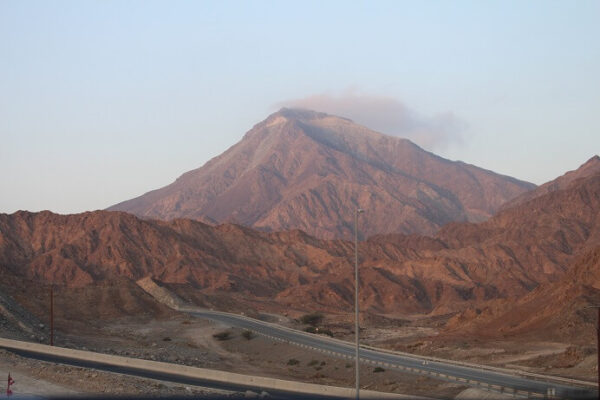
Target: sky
(102, 101)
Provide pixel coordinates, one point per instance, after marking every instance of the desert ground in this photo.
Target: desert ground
(177, 337)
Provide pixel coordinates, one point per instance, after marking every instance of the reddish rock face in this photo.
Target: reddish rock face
(305, 170)
(589, 168)
(466, 264)
(563, 310)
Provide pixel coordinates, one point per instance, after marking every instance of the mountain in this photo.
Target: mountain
(466, 264)
(589, 168)
(561, 310)
(558, 308)
(305, 170)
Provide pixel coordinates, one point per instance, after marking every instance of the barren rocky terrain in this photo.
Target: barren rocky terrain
(511, 291)
(182, 339)
(165, 335)
(232, 267)
(589, 168)
(301, 169)
(48, 379)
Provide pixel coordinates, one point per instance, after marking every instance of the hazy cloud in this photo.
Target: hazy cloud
(388, 115)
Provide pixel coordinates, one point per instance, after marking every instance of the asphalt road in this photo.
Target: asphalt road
(240, 389)
(465, 375)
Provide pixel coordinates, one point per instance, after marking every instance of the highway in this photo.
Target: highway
(469, 376)
(209, 378)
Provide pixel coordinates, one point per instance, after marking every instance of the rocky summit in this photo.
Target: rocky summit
(306, 170)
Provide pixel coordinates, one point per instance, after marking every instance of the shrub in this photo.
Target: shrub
(248, 335)
(313, 319)
(167, 339)
(313, 362)
(293, 361)
(225, 335)
(325, 332)
(320, 331)
(378, 369)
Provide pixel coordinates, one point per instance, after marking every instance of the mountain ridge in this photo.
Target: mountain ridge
(465, 264)
(589, 168)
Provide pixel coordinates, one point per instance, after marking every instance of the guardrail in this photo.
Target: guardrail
(438, 375)
(193, 373)
(506, 371)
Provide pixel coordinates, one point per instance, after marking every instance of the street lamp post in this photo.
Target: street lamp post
(598, 350)
(356, 325)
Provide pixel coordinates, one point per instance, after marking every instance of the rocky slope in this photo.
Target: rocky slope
(304, 170)
(559, 310)
(507, 256)
(589, 168)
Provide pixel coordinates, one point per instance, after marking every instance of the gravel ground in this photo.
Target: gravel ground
(186, 340)
(34, 377)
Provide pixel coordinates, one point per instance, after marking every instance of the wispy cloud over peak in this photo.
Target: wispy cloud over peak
(387, 115)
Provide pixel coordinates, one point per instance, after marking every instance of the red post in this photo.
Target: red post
(11, 381)
(51, 315)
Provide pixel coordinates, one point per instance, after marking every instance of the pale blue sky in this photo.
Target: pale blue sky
(101, 101)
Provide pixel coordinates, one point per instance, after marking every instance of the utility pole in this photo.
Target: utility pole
(51, 315)
(356, 324)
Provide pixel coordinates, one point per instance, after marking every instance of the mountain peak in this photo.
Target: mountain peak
(301, 113)
(298, 114)
(595, 160)
(587, 169)
(303, 169)
(590, 167)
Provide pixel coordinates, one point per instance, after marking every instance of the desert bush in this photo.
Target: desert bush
(248, 335)
(313, 319)
(225, 335)
(378, 369)
(293, 361)
(320, 331)
(313, 362)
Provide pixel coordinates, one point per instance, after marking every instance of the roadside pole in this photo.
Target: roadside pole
(356, 323)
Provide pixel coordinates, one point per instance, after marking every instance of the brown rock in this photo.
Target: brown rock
(304, 170)
(532, 245)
